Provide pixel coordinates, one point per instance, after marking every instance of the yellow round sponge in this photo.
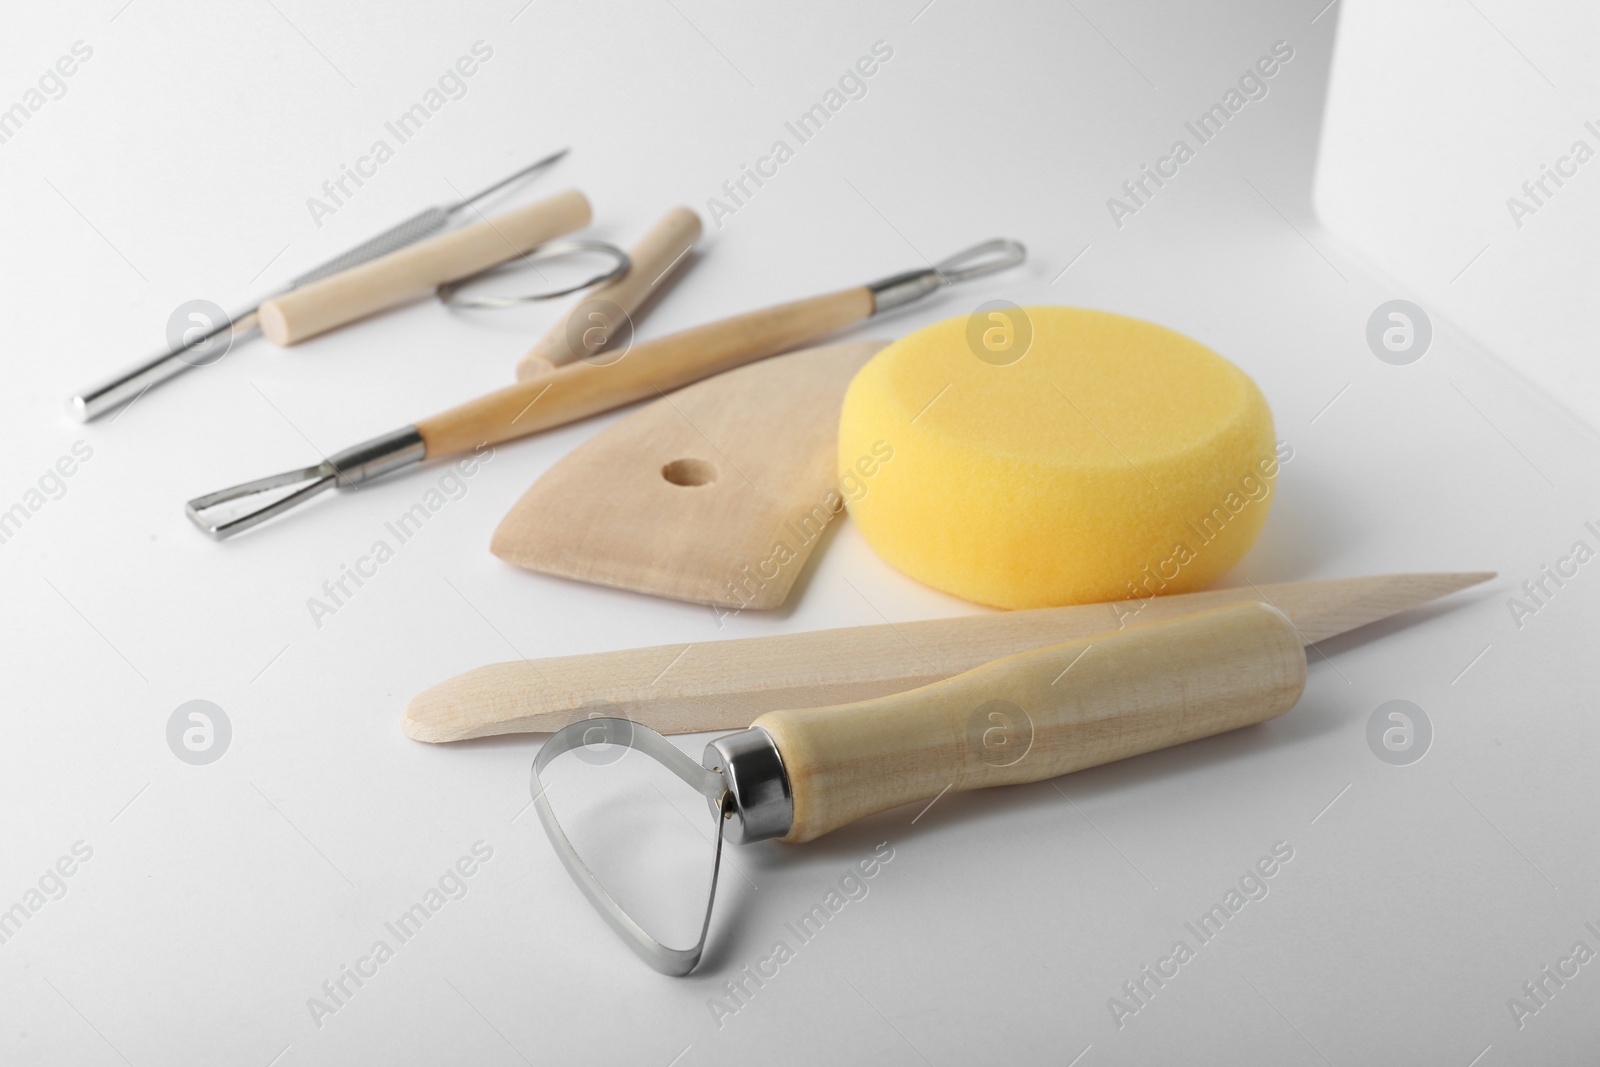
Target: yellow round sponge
(1112, 458)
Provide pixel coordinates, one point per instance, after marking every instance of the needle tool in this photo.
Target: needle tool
(200, 346)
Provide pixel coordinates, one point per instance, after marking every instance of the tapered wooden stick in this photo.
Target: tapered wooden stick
(724, 685)
(593, 323)
(579, 390)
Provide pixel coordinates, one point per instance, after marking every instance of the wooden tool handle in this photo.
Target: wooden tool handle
(410, 272)
(596, 319)
(1039, 714)
(581, 389)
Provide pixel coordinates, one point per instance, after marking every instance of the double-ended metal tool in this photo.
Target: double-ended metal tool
(585, 388)
(796, 775)
(199, 347)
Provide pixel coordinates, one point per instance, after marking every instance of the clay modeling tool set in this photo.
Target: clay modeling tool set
(572, 392)
(1081, 456)
(374, 290)
(795, 775)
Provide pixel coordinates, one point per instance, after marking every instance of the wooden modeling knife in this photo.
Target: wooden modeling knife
(722, 685)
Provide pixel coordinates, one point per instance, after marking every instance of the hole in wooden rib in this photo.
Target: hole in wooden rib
(689, 472)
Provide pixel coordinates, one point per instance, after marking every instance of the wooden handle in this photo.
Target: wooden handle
(1039, 714)
(594, 321)
(581, 389)
(410, 272)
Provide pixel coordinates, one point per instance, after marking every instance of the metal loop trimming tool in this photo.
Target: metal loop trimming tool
(344, 470)
(795, 775)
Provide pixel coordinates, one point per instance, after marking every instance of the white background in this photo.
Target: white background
(1426, 188)
(220, 898)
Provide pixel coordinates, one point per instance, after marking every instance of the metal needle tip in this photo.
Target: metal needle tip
(508, 179)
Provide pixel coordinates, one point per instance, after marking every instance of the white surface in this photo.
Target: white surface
(1441, 119)
(220, 898)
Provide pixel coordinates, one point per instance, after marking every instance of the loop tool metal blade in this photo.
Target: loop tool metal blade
(450, 292)
(674, 962)
(345, 470)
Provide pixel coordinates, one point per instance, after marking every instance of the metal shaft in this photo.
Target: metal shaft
(88, 404)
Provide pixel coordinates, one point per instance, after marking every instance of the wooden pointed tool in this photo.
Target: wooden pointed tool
(715, 495)
(723, 685)
(607, 312)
